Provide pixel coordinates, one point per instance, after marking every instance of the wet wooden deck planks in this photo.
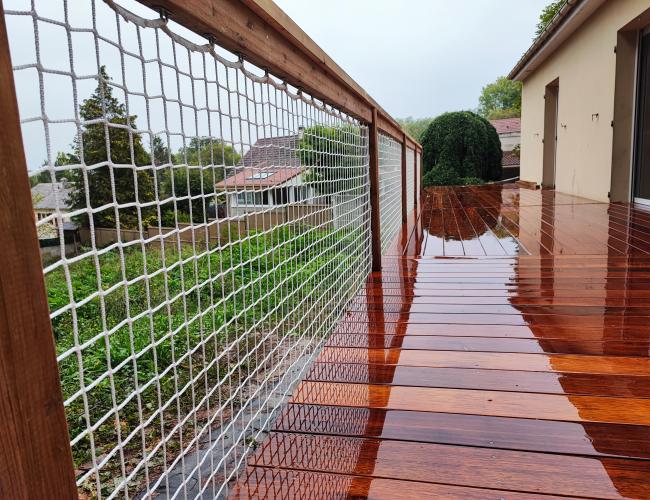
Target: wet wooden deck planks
(502, 352)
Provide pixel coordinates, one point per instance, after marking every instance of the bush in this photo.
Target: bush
(460, 146)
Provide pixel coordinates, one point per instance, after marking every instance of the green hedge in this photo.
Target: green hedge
(460, 148)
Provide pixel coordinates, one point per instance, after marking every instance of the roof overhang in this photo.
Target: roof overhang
(572, 15)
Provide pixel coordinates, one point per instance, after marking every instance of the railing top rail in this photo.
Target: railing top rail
(266, 36)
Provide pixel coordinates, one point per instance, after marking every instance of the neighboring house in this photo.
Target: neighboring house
(586, 101)
(509, 130)
(52, 197)
(268, 176)
(49, 198)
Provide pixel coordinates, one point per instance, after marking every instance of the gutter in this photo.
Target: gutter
(571, 16)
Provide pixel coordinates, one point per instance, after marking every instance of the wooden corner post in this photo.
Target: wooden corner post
(416, 178)
(35, 456)
(375, 215)
(405, 209)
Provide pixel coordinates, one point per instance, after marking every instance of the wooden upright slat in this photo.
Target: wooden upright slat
(35, 457)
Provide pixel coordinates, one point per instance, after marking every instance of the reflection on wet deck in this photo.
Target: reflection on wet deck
(503, 352)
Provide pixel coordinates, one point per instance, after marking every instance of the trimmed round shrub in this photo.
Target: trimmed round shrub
(460, 148)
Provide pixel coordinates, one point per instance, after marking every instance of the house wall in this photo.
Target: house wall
(509, 141)
(586, 67)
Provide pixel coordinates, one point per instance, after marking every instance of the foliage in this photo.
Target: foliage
(250, 293)
(460, 146)
(500, 99)
(200, 165)
(334, 156)
(124, 149)
(415, 126)
(547, 15)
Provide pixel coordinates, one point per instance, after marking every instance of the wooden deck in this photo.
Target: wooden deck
(503, 352)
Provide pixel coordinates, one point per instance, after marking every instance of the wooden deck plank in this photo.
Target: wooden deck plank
(634, 411)
(493, 380)
(488, 360)
(265, 482)
(511, 358)
(457, 465)
(566, 438)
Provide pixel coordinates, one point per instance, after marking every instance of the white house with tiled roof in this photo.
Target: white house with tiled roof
(269, 175)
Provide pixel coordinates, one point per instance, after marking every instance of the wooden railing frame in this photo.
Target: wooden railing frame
(263, 34)
(35, 454)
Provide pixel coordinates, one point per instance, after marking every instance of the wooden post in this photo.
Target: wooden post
(35, 456)
(416, 177)
(405, 209)
(375, 221)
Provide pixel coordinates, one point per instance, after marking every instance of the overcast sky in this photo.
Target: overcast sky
(420, 57)
(415, 57)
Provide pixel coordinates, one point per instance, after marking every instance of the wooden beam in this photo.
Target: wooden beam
(375, 215)
(35, 456)
(266, 36)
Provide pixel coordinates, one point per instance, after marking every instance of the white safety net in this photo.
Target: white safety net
(410, 180)
(202, 225)
(390, 189)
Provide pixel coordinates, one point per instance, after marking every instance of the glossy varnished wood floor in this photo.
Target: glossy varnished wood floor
(503, 352)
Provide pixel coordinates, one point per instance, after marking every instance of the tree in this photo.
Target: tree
(547, 15)
(334, 156)
(201, 165)
(460, 148)
(500, 99)
(120, 156)
(415, 126)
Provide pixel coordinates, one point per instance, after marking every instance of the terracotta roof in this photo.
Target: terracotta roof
(269, 162)
(507, 125)
(510, 159)
(260, 177)
(272, 152)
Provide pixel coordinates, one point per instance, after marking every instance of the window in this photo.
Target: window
(260, 175)
(253, 198)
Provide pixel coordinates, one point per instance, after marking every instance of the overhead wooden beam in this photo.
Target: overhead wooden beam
(35, 455)
(266, 36)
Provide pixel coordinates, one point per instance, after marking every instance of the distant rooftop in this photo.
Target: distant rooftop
(510, 159)
(272, 152)
(46, 193)
(507, 125)
(269, 162)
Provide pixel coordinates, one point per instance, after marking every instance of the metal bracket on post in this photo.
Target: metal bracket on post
(375, 224)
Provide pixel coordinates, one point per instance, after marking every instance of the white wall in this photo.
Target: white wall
(585, 66)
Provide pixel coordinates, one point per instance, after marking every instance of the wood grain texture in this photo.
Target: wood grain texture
(589, 439)
(458, 465)
(503, 347)
(35, 456)
(263, 482)
(266, 36)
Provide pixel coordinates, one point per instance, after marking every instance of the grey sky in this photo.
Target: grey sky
(416, 58)
(420, 57)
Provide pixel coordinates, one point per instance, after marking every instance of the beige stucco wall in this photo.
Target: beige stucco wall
(585, 65)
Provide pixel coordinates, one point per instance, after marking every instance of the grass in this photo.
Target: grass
(177, 323)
